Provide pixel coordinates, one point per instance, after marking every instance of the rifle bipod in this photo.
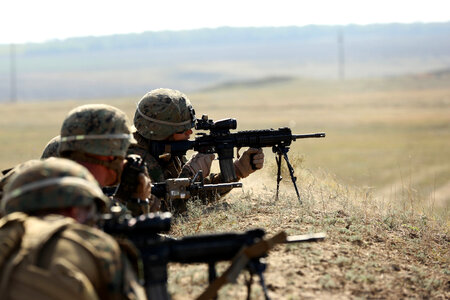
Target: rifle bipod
(282, 151)
(254, 266)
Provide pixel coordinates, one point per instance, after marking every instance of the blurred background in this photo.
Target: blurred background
(373, 75)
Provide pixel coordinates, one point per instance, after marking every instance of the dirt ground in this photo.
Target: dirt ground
(370, 252)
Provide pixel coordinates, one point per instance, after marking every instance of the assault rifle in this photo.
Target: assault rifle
(184, 188)
(222, 141)
(170, 189)
(244, 250)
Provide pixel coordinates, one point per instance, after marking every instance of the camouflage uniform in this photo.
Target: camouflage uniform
(49, 256)
(100, 130)
(159, 114)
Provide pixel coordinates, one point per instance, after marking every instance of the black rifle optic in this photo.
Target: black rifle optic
(222, 141)
(157, 250)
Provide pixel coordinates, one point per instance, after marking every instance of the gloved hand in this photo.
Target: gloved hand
(199, 162)
(243, 165)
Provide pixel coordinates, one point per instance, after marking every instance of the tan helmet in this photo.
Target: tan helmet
(5, 179)
(51, 149)
(52, 184)
(163, 112)
(96, 129)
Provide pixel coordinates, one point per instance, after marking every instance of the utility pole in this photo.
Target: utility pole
(13, 80)
(341, 54)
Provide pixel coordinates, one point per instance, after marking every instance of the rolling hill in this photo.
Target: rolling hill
(131, 64)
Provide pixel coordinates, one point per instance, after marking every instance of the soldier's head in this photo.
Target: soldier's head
(97, 136)
(164, 114)
(7, 176)
(51, 149)
(55, 185)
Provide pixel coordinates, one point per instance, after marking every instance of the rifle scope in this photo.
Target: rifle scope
(206, 124)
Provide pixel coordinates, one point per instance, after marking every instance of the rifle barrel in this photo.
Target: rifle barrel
(311, 237)
(222, 185)
(308, 135)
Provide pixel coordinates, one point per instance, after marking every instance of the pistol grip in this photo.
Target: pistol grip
(252, 156)
(251, 161)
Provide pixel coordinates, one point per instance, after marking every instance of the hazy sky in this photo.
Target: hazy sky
(40, 20)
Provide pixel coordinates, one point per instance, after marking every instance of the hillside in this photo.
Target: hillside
(389, 136)
(378, 184)
(128, 65)
(373, 250)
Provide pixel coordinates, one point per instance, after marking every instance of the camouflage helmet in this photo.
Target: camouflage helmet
(52, 184)
(96, 129)
(5, 179)
(51, 149)
(163, 112)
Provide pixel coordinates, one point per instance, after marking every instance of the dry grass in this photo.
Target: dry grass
(374, 249)
(378, 184)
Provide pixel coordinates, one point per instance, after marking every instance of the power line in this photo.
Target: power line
(341, 54)
(13, 74)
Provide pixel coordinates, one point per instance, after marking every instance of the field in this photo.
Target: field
(378, 184)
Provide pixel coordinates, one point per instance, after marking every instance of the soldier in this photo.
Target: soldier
(165, 114)
(97, 136)
(51, 150)
(5, 179)
(52, 253)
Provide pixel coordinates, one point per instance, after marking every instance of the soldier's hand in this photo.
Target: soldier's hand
(243, 165)
(155, 204)
(199, 162)
(144, 187)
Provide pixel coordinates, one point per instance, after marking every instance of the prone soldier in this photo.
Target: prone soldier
(48, 249)
(167, 115)
(9, 174)
(97, 136)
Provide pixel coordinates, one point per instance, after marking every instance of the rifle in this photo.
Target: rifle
(222, 141)
(157, 251)
(170, 189)
(184, 188)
